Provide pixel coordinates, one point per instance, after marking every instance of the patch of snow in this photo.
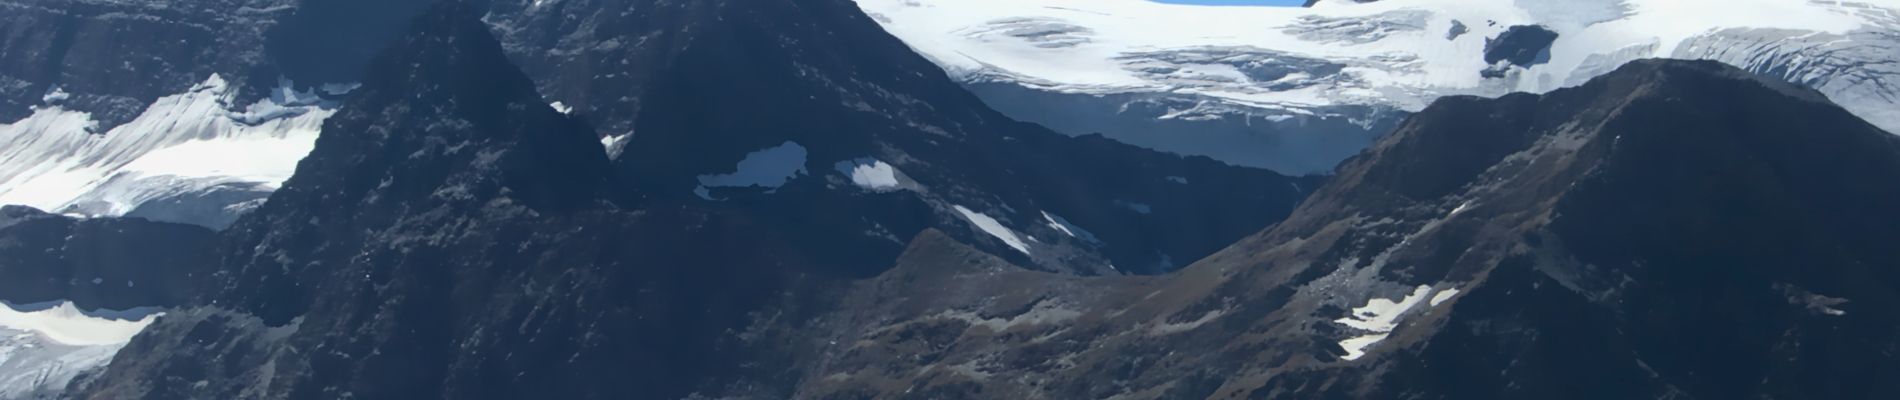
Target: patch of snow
(1443, 295)
(1177, 179)
(614, 144)
(1063, 225)
(1461, 208)
(55, 95)
(769, 169)
(33, 367)
(256, 159)
(561, 108)
(994, 228)
(1380, 316)
(870, 174)
(64, 323)
(1356, 347)
(43, 346)
(189, 142)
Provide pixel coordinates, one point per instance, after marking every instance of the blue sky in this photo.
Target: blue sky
(1294, 3)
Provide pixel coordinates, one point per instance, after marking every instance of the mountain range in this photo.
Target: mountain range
(785, 199)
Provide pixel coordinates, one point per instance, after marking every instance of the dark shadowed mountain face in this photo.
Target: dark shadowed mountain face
(452, 236)
(116, 57)
(332, 41)
(691, 94)
(106, 263)
(1671, 230)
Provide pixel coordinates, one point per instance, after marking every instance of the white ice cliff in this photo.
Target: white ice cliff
(1298, 89)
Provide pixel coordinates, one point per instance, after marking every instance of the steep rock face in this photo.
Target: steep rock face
(114, 264)
(597, 56)
(333, 41)
(116, 57)
(698, 89)
(1521, 45)
(453, 236)
(1671, 230)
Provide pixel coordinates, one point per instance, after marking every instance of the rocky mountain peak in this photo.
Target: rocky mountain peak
(442, 127)
(1658, 232)
(441, 110)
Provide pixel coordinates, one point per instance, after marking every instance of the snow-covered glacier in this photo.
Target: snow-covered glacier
(193, 157)
(44, 346)
(1298, 89)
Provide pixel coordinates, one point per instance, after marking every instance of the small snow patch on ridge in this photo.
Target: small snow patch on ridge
(561, 108)
(55, 95)
(614, 144)
(870, 174)
(1442, 296)
(994, 228)
(1063, 225)
(1380, 316)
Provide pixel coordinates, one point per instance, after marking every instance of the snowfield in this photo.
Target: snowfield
(44, 345)
(1283, 72)
(193, 146)
(994, 228)
(870, 174)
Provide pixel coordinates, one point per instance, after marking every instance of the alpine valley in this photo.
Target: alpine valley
(925, 199)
